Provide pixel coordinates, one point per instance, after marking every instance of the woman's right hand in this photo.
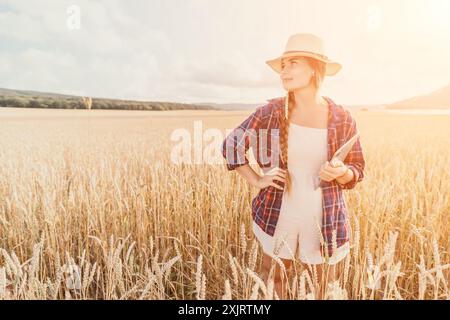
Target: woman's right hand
(268, 178)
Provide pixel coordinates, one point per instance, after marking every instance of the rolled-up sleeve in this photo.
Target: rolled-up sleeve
(355, 159)
(238, 141)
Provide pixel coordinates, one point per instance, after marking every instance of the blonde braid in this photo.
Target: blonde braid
(284, 134)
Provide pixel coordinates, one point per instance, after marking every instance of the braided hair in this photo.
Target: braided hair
(319, 68)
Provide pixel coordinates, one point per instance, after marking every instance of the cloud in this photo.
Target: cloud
(200, 50)
(116, 53)
(110, 55)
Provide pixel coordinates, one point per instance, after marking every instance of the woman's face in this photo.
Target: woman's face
(295, 74)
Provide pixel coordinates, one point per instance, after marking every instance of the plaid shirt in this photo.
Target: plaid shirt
(266, 205)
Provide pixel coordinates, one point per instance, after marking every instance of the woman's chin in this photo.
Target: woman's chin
(290, 87)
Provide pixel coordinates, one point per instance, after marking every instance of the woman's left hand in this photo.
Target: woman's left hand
(329, 172)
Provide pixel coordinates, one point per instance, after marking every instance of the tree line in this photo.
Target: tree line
(96, 103)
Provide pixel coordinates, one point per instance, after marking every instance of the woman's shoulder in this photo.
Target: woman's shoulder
(270, 108)
(344, 118)
(342, 113)
(348, 117)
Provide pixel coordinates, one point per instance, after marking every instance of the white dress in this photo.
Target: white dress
(301, 212)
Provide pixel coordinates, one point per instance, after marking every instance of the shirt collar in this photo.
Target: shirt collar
(279, 104)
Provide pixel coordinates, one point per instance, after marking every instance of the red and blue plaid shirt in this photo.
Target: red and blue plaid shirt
(267, 203)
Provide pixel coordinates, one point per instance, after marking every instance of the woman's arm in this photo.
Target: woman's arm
(236, 145)
(249, 174)
(339, 171)
(262, 181)
(346, 177)
(354, 161)
(349, 172)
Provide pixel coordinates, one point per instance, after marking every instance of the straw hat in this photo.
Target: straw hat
(309, 45)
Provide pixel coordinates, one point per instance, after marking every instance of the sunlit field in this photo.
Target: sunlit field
(92, 207)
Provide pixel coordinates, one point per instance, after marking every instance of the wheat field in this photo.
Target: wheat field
(92, 207)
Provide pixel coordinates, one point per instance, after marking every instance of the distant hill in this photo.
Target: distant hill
(35, 99)
(232, 106)
(439, 99)
(31, 93)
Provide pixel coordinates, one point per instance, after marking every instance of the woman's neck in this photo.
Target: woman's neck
(308, 98)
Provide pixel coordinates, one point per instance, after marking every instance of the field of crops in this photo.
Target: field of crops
(92, 206)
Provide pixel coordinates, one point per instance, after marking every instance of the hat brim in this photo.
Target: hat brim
(331, 67)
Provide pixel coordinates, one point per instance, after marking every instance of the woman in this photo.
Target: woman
(291, 217)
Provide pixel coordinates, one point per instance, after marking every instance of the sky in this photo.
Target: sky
(215, 50)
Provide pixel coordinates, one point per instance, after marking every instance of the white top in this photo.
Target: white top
(301, 212)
